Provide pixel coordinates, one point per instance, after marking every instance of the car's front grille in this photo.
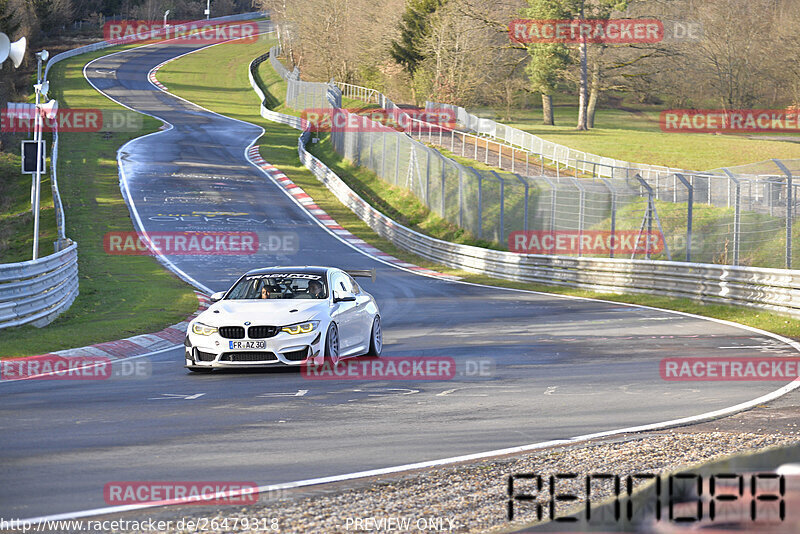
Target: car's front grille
(296, 355)
(248, 357)
(231, 332)
(261, 332)
(204, 356)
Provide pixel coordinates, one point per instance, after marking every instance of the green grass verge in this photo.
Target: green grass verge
(635, 136)
(120, 296)
(278, 146)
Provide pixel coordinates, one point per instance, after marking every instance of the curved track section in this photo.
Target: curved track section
(560, 367)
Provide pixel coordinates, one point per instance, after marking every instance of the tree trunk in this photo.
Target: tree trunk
(547, 110)
(595, 93)
(582, 104)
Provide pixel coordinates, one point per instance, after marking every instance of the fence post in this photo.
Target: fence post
(789, 210)
(689, 215)
(581, 211)
(525, 205)
(737, 221)
(371, 142)
(383, 156)
(649, 216)
(397, 161)
(460, 196)
(427, 177)
(480, 202)
(613, 192)
(443, 178)
(502, 206)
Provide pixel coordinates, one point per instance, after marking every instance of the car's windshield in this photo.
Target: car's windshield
(280, 286)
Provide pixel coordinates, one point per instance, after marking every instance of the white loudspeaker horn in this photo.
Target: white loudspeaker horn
(5, 44)
(50, 109)
(17, 51)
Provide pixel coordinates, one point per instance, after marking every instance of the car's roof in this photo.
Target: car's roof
(305, 269)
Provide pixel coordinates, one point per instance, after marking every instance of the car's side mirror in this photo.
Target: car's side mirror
(343, 297)
(217, 296)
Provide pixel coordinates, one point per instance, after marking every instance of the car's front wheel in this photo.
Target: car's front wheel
(375, 338)
(332, 344)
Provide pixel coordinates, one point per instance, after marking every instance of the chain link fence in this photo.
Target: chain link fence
(543, 195)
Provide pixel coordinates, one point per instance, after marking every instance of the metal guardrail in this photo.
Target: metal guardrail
(38, 291)
(775, 290)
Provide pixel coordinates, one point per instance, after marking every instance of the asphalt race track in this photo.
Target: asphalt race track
(559, 367)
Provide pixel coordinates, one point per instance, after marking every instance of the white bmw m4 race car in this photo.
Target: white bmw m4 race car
(286, 316)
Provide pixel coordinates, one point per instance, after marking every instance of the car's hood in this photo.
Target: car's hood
(262, 312)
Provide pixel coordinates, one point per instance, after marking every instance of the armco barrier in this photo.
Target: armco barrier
(37, 291)
(775, 290)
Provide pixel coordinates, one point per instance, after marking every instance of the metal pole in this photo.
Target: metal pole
(613, 192)
(502, 207)
(480, 202)
(443, 177)
(208, 9)
(428, 178)
(689, 215)
(37, 134)
(581, 212)
(383, 156)
(737, 221)
(525, 208)
(789, 213)
(460, 197)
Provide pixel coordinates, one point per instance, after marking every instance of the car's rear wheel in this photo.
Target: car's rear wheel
(332, 344)
(375, 338)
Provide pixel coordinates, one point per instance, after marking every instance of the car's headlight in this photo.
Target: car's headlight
(301, 328)
(203, 330)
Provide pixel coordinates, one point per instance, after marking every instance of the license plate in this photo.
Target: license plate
(247, 345)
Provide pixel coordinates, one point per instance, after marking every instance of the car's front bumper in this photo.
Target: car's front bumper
(283, 349)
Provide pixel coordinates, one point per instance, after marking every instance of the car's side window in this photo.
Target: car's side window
(338, 283)
(354, 289)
